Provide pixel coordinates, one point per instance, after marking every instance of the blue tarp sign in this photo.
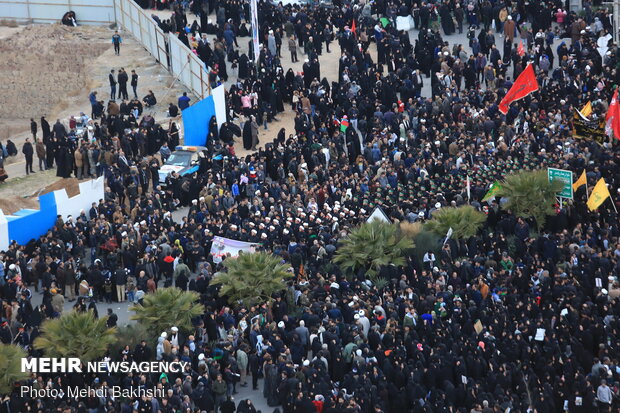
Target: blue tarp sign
(196, 121)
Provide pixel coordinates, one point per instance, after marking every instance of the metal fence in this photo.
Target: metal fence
(169, 51)
(95, 12)
(188, 67)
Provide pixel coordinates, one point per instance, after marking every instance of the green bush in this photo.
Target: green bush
(10, 367)
(76, 334)
(252, 278)
(465, 221)
(371, 246)
(529, 194)
(168, 307)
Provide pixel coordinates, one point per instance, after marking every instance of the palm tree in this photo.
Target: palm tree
(131, 335)
(410, 229)
(371, 246)
(10, 367)
(76, 334)
(426, 241)
(530, 195)
(168, 307)
(252, 278)
(465, 221)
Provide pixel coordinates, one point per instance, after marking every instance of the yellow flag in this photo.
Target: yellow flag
(581, 181)
(599, 194)
(587, 109)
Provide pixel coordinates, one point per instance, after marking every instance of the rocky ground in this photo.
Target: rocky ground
(55, 79)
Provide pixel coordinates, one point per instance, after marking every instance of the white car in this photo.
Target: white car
(184, 161)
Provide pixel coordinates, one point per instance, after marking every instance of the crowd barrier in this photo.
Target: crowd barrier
(141, 25)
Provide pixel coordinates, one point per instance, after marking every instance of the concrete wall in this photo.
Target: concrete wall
(90, 191)
(51, 11)
(29, 224)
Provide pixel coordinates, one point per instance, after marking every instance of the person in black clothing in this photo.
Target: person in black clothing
(60, 132)
(28, 152)
(142, 352)
(122, 84)
(228, 406)
(112, 80)
(150, 100)
(33, 129)
(6, 337)
(134, 83)
(50, 152)
(173, 110)
(254, 364)
(154, 169)
(11, 148)
(112, 319)
(45, 129)
(68, 19)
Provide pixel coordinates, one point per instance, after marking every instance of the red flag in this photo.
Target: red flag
(521, 49)
(524, 85)
(612, 118)
(354, 28)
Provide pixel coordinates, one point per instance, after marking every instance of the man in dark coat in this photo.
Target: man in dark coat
(59, 130)
(28, 152)
(123, 78)
(33, 129)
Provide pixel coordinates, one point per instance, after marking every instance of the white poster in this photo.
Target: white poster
(254, 22)
(602, 44)
(223, 246)
(540, 334)
(404, 23)
(219, 100)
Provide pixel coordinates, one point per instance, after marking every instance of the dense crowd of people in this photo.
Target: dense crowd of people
(512, 319)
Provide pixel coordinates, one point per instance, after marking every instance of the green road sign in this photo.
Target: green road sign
(564, 176)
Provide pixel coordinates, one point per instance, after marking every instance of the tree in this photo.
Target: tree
(168, 307)
(76, 334)
(530, 195)
(131, 335)
(410, 229)
(252, 278)
(465, 221)
(371, 246)
(426, 241)
(10, 367)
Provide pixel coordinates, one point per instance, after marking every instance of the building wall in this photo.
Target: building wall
(95, 12)
(30, 224)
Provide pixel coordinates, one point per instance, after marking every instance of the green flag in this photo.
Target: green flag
(495, 187)
(384, 21)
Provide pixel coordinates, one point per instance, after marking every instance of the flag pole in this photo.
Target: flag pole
(613, 205)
